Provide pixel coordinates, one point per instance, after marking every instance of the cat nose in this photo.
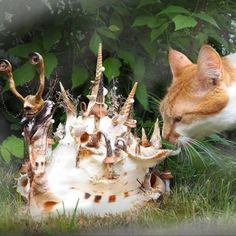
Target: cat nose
(172, 136)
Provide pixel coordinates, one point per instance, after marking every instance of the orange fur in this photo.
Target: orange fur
(197, 90)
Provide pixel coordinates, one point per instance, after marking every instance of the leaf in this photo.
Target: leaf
(174, 9)
(15, 146)
(150, 47)
(79, 76)
(15, 126)
(155, 33)
(23, 50)
(139, 68)
(207, 18)
(26, 72)
(112, 67)
(94, 42)
(22, 75)
(146, 2)
(114, 28)
(202, 37)
(5, 154)
(141, 20)
(127, 56)
(106, 32)
(182, 22)
(50, 39)
(142, 95)
(219, 39)
(116, 20)
(50, 62)
(154, 22)
(212, 33)
(89, 6)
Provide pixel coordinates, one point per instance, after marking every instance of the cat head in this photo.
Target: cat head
(197, 92)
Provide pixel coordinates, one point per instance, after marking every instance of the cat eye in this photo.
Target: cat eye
(177, 119)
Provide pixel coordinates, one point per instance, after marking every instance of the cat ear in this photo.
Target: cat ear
(177, 61)
(210, 68)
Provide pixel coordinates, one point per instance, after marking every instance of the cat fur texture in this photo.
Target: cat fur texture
(201, 99)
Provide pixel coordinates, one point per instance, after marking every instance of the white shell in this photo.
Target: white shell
(99, 173)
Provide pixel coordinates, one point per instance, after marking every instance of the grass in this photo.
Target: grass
(203, 198)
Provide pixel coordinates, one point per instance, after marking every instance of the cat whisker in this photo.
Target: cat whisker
(210, 153)
(183, 143)
(191, 148)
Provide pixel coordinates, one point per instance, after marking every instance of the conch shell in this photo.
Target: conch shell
(98, 166)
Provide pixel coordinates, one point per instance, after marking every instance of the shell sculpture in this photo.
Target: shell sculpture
(99, 165)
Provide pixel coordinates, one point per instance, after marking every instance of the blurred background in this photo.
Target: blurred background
(136, 36)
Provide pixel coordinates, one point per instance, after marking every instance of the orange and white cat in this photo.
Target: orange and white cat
(201, 99)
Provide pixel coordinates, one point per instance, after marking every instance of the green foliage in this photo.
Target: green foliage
(182, 22)
(94, 42)
(23, 50)
(112, 68)
(135, 34)
(79, 76)
(51, 62)
(51, 37)
(22, 75)
(12, 146)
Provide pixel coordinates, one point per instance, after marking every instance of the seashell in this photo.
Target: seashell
(156, 136)
(68, 104)
(130, 123)
(125, 110)
(144, 141)
(60, 132)
(166, 175)
(23, 185)
(95, 83)
(99, 110)
(94, 141)
(153, 186)
(98, 166)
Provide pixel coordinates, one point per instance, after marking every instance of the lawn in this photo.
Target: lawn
(203, 201)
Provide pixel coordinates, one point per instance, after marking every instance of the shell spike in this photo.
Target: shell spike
(68, 104)
(99, 68)
(125, 110)
(96, 82)
(99, 71)
(156, 136)
(144, 140)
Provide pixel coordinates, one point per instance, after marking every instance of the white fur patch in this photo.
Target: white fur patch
(232, 59)
(224, 120)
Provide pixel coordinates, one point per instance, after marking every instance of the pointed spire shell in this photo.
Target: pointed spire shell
(144, 141)
(125, 110)
(99, 70)
(156, 137)
(99, 108)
